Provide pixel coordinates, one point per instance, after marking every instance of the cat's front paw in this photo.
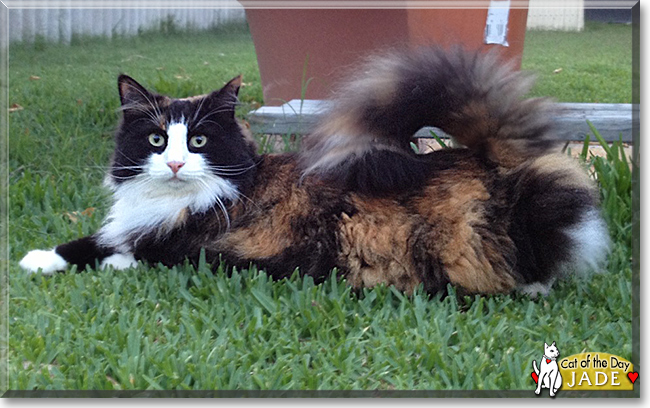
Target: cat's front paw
(47, 261)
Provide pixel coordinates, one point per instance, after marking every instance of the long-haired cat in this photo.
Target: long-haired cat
(504, 213)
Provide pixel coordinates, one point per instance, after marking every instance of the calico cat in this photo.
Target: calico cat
(504, 213)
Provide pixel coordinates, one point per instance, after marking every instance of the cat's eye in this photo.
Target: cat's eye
(198, 141)
(156, 140)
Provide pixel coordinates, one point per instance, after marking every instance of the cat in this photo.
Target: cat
(505, 213)
(548, 374)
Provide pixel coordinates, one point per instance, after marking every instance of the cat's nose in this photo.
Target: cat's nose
(175, 166)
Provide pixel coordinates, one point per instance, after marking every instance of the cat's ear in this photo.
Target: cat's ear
(553, 344)
(232, 87)
(132, 93)
(545, 345)
(226, 98)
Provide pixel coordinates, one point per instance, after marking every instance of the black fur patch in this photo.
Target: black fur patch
(84, 251)
(180, 244)
(543, 210)
(382, 172)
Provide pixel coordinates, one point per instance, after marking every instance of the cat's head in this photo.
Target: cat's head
(551, 350)
(182, 147)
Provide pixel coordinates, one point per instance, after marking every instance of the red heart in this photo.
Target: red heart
(535, 377)
(633, 376)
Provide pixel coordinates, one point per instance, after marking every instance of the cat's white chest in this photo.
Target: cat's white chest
(142, 208)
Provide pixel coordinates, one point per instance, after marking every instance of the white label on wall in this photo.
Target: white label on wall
(496, 27)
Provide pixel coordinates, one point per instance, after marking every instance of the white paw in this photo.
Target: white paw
(47, 261)
(537, 288)
(119, 261)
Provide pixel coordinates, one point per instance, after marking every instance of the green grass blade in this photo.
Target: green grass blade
(585, 149)
(600, 138)
(439, 140)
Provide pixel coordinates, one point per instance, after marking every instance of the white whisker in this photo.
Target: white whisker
(226, 107)
(218, 201)
(127, 157)
(239, 198)
(214, 209)
(126, 168)
(198, 109)
(150, 116)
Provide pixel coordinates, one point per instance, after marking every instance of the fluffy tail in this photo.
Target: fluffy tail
(535, 367)
(472, 96)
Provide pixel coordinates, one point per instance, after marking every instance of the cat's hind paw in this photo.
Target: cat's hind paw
(119, 261)
(47, 261)
(536, 289)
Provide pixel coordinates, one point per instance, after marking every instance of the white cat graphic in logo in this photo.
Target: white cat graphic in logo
(548, 375)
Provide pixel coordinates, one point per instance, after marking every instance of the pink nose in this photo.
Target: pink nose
(175, 166)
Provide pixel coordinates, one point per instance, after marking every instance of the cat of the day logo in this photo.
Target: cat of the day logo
(584, 371)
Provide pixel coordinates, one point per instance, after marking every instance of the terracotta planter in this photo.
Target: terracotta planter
(328, 42)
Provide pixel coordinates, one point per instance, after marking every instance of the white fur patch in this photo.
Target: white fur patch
(143, 207)
(591, 244)
(119, 261)
(176, 143)
(536, 288)
(48, 261)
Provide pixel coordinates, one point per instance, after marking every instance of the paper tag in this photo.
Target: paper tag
(496, 27)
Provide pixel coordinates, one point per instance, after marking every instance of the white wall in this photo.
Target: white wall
(60, 25)
(566, 15)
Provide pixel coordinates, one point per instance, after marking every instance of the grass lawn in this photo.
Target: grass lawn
(186, 328)
(592, 66)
